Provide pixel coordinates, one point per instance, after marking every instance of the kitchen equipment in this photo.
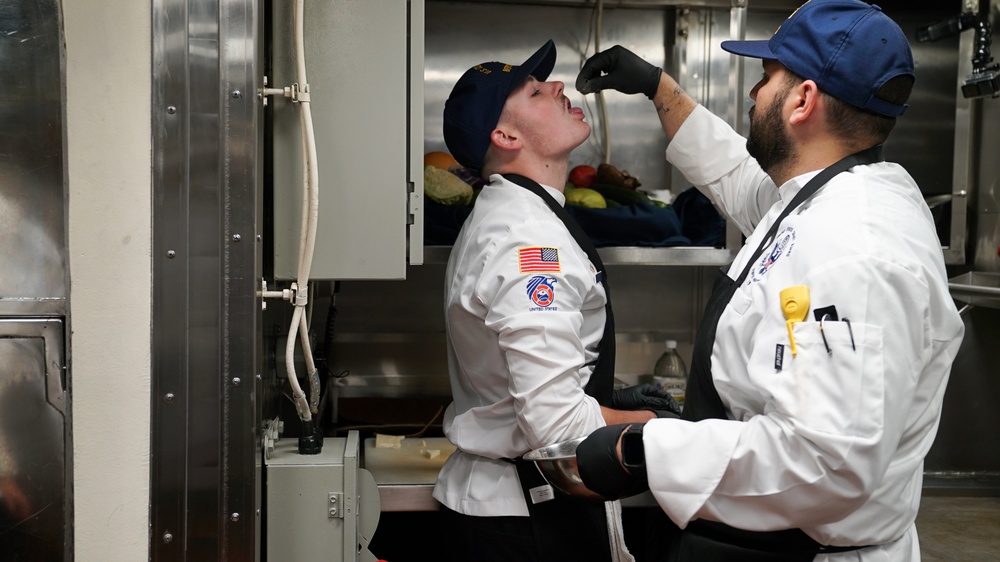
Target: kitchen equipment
(558, 465)
(322, 506)
(414, 462)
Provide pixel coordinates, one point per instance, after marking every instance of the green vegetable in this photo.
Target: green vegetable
(445, 187)
(584, 197)
(620, 194)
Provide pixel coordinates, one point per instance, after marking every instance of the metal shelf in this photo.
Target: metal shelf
(978, 288)
(627, 255)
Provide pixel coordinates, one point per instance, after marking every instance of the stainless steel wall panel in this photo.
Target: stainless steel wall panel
(32, 185)
(460, 35)
(206, 270)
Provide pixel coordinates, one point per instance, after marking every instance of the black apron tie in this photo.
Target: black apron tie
(707, 541)
(567, 528)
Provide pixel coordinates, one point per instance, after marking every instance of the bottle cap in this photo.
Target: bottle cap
(671, 344)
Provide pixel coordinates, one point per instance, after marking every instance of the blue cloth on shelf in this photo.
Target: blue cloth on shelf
(700, 221)
(690, 221)
(639, 224)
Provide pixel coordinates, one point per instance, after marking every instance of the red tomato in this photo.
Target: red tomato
(583, 175)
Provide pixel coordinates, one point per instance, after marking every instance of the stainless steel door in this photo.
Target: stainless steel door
(34, 439)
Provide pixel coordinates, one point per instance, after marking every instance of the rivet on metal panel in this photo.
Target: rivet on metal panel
(168, 398)
(236, 381)
(171, 109)
(171, 254)
(237, 238)
(167, 537)
(234, 517)
(237, 94)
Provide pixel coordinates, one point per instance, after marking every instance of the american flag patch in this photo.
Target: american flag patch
(538, 259)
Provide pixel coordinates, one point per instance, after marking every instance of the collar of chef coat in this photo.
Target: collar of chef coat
(559, 196)
(790, 188)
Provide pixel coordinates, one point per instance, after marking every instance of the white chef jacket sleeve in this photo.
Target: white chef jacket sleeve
(714, 159)
(835, 422)
(543, 345)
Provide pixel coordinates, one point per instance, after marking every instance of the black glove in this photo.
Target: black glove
(646, 397)
(622, 70)
(600, 468)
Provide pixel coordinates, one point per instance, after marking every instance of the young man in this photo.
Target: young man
(821, 361)
(529, 330)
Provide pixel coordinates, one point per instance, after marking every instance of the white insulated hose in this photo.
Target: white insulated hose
(299, 326)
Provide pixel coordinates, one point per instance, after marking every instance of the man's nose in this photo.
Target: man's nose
(557, 88)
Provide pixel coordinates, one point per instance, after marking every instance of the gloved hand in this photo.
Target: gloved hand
(602, 470)
(622, 70)
(646, 397)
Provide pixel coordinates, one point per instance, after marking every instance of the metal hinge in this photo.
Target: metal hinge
(335, 505)
(410, 202)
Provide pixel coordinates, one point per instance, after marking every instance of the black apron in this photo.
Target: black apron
(707, 541)
(567, 528)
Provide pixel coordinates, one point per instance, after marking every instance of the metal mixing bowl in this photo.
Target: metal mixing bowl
(557, 464)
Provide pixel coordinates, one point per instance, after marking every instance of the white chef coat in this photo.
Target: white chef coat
(829, 442)
(523, 334)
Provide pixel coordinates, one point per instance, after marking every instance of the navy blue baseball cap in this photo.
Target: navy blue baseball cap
(474, 106)
(848, 47)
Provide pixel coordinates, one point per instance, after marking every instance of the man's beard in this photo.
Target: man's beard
(767, 141)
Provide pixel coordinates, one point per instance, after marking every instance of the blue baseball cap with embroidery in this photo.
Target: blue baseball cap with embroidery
(474, 106)
(848, 47)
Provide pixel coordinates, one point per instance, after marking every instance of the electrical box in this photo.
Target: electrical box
(364, 68)
(319, 507)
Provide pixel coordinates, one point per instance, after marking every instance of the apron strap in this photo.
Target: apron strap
(601, 383)
(867, 156)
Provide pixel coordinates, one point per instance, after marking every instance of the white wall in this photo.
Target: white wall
(108, 74)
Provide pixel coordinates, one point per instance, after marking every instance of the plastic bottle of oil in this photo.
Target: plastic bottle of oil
(670, 373)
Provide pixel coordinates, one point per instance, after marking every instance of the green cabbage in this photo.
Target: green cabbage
(445, 187)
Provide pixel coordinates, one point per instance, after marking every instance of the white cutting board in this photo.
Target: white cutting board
(407, 465)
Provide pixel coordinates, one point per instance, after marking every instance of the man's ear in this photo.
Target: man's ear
(505, 140)
(805, 99)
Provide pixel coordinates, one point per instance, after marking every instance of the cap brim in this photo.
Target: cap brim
(756, 49)
(540, 64)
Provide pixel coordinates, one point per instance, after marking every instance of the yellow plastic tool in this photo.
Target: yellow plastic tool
(795, 306)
